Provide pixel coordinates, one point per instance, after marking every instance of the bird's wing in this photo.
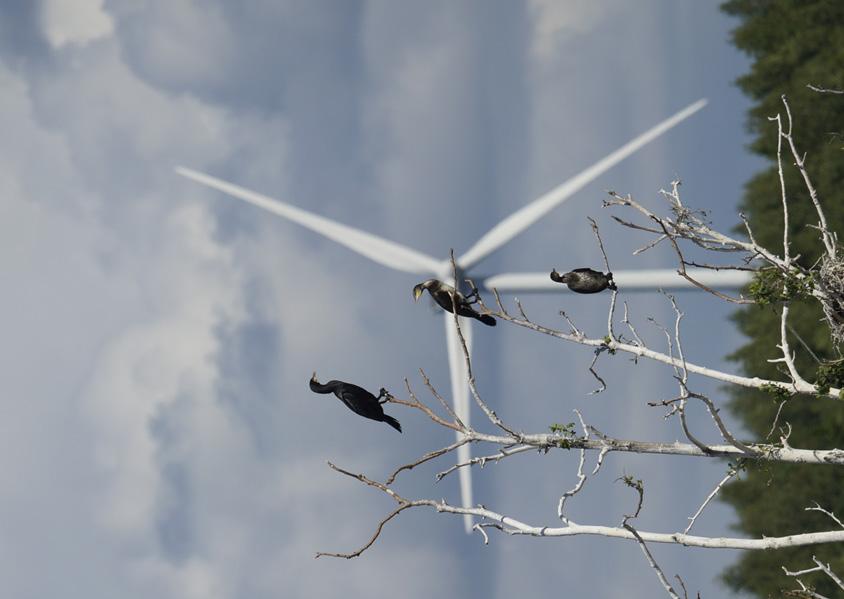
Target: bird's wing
(377, 249)
(586, 270)
(360, 401)
(467, 311)
(526, 216)
(347, 398)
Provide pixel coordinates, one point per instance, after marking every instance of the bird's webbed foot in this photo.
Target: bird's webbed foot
(474, 295)
(384, 396)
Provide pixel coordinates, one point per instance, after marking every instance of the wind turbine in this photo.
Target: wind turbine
(402, 258)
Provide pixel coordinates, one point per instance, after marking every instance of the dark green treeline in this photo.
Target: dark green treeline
(792, 43)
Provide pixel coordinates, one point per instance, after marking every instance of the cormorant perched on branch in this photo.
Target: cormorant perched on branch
(358, 400)
(442, 295)
(585, 280)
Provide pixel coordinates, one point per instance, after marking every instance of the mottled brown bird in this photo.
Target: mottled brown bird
(442, 294)
(585, 280)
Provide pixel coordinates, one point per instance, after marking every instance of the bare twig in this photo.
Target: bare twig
(513, 526)
(644, 352)
(482, 460)
(819, 567)
(581, 477)
(431, 455)
(730, 474)
(823, 90)
(596, 375)
(418, 405)
(652, 562)
(490, 414)
(403, 505)
(818, 508)
(826, 235)
(439, 398)
(785, 243)
(611, 314)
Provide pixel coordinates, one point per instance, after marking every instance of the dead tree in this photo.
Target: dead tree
(777, 275)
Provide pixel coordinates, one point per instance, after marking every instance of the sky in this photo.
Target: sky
(158, 437)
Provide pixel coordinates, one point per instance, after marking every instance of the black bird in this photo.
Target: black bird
(585, 280)
(442, 295)
(358, 400)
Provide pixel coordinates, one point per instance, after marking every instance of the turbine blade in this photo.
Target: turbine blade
(526, 216)
(460, 397)
(377, 249)
(627, 280)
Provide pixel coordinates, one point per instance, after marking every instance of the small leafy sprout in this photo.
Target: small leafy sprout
(775, 391)
(771, 286)
(606, 346)
(830, 374)
(567, 434)
(739, 466)
(633, 483)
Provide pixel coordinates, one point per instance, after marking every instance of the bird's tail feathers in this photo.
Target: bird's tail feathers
(487, 319)
(392, 422)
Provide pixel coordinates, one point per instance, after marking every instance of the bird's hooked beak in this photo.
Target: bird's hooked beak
(417, 291)
(557, 277)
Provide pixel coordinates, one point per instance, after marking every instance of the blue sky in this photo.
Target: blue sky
(158, 435)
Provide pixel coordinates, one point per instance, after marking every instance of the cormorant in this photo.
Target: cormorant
(358, 400)
(585, 280)
(442, 295)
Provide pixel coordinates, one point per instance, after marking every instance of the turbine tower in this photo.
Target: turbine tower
(399, 257)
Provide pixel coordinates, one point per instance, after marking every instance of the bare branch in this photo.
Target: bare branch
(730, 474)
(482, 460)
(644, 352)
(490, 414)
(595, 374)
(818, 508)
(823, 90)
(418, 405)
(819, 567)
(785, 243)
(652, 562)
(439, 398)
(826, 235)
(372, 539)
(431, 455)
(514, 526)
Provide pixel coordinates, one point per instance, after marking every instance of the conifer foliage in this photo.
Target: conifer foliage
(794, 44)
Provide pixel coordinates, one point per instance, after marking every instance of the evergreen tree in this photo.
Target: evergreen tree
(793, 43)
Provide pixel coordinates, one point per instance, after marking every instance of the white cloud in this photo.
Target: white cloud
(553, 19)
(75, 21)
(133, 341)
(155, 362)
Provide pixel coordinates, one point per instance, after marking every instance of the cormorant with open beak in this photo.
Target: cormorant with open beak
(585, 280)
(358, 400)
(442, 295)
